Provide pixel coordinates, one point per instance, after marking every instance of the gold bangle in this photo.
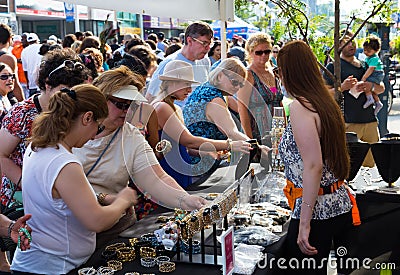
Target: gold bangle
(115, 246)
(133, 241)
(147, 252)
(126, 254)
(116, 265)
(166, 267)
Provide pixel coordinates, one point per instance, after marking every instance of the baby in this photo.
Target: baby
(374, 73)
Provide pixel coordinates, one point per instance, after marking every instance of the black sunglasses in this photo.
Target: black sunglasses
(266, 52)
(7, 76)
(120, 105)
(275, 51)
(100, 129)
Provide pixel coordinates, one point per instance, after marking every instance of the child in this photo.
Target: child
(374, 73)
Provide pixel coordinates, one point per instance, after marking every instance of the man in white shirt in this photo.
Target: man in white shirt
(31, 62)
(198, 40)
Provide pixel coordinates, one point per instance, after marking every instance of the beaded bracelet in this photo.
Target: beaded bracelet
(148, 262)
(162, 259)
(87, 271)
(115, 265)
(149, 237)
(133, 241)
(26, 233)
(147, 252)
(115, 246)
(109, 255)
(105, 270)
(166, 267)
(126, 254)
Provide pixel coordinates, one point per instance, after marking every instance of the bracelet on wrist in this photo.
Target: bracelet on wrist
(229, 145)
(10, 228)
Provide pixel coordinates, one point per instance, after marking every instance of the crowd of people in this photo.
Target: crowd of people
(91, 134)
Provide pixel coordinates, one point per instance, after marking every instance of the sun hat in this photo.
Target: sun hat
(178, 70)
(129, 92)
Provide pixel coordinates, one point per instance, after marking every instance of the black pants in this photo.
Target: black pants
(322, 236)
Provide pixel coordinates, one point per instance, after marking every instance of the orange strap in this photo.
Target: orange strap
(292, 193)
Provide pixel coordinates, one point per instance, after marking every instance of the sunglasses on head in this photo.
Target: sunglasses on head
(259, 53)
(120, 105)
(7, 76)
(69, 64)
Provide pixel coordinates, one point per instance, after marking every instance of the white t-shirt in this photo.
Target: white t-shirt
(60, 242)
(127, 154)
(31, 60)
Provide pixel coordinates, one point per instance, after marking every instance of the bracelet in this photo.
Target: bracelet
(105, 270)
(163, 146)
(87, 271)
(133, 241)
(115, 265)
(109, 255)
(126, 254)
(149, 237)
(180, 200)
(166, 267)
(148, 262)
(132, 273)
(162, 259)
(115, 246)
(147, 252)
(26, 233)
(229, 145)
(306, 204)
(10, 227)
(101, 198)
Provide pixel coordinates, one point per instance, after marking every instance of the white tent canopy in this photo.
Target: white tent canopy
(182, 9)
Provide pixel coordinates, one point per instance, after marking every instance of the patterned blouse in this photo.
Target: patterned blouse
(18, 122)
(327, 206)
(194, 114)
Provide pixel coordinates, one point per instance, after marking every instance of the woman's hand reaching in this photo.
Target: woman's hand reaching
(241, 146)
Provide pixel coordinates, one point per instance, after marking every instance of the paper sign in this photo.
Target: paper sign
(228, 255)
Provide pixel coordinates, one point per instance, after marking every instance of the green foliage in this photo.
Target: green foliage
(278, 30)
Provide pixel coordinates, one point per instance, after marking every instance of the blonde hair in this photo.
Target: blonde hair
(51, 127)
(114, 80)
(233, 65)
(255, 40)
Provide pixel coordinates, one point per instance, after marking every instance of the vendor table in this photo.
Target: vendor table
(378, 234)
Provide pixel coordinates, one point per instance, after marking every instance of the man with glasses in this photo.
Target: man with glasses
(198, 41)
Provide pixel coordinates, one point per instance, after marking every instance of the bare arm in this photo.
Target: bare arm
(217, 113)
(7, 146)
(152, 125)
(165, 190)
(169, 121)
(72, 186)
(305, 131)
(369, 71)
(243, 103)
(347, 84)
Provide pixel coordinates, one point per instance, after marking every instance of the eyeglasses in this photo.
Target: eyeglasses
(259, 53)
(7, 76)
(234, 82)
(72, 65)
(275, 52)
(100, 129)
(204, 43)
(120, 105)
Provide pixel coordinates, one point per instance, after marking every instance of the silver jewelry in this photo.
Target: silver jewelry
(163, 146)
(148, 262)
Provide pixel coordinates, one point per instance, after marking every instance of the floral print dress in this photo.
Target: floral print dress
(327, 206)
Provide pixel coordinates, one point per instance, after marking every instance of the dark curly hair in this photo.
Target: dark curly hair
(68, 77)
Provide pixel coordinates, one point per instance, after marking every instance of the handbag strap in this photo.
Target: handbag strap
(102, 153)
